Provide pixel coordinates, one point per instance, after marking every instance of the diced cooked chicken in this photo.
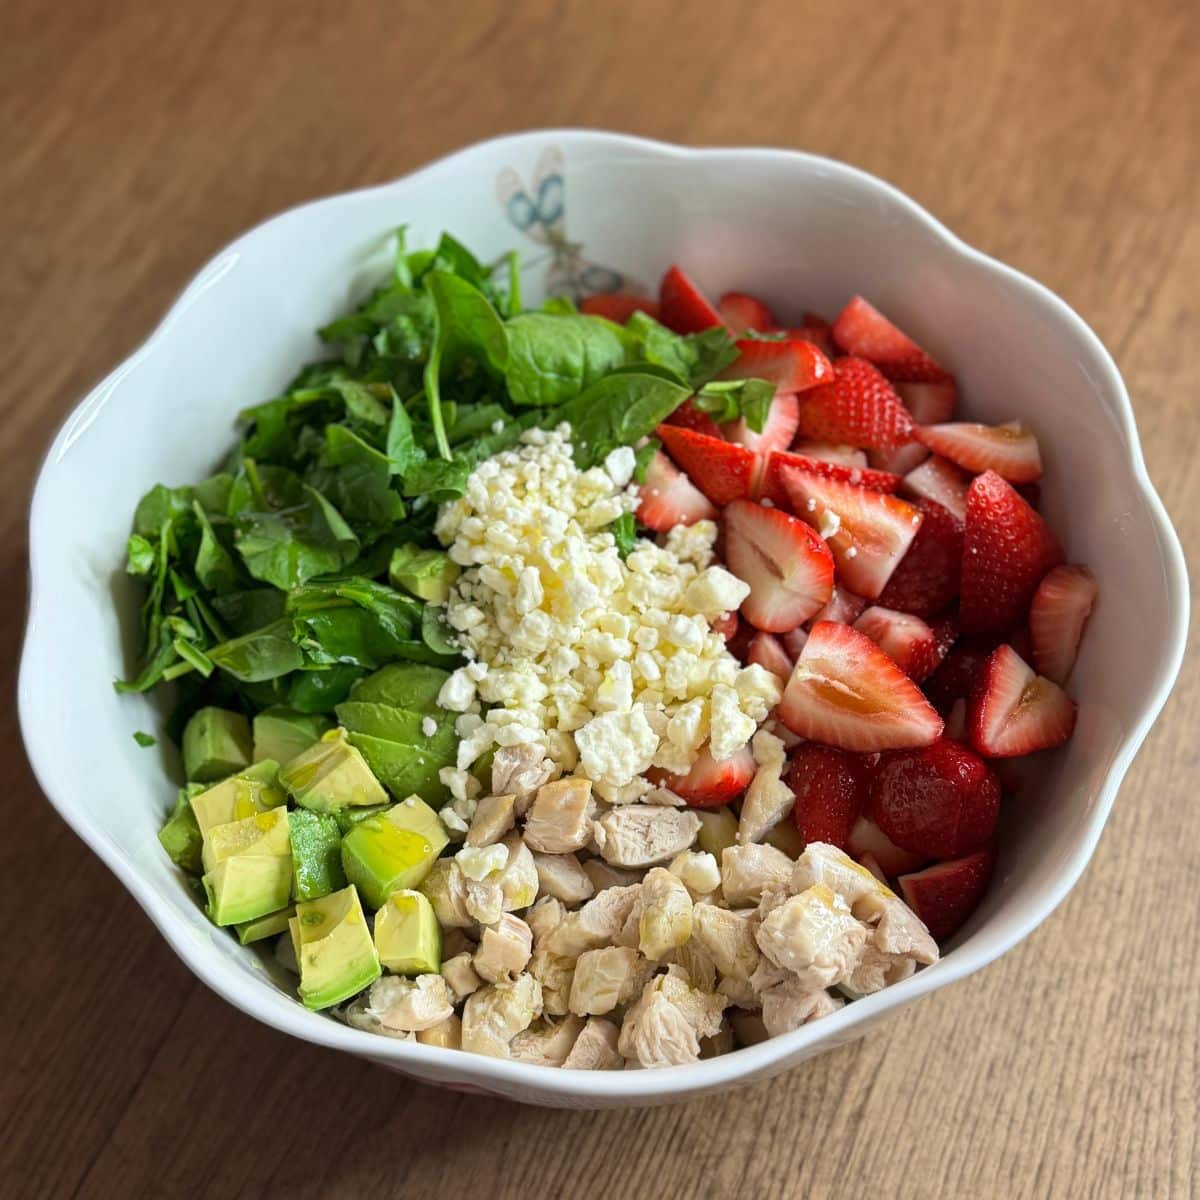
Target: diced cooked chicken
(484, 899)
(561, 876)
(519, 879)
(630, 934)
(823, 863)
(876, 970)
(748, 1028)
(460, 975)
(447, 1034)
(663, 1027)
(558, 820)
(815, 935)
(767, 975)
(728, 938)
(494, 817)
(555, 973)
(596, 924)
(747, 871)
(543, 918)
(665, 920)
(697, 964)
(547, 1043)
(494, 1015)
(595, 1048)
(791, 1004)
(640, 835)
(445, 887)
(519, 771)
(604, 876)
(699, 872)
(504, 949)
(896, 943)
(605, 979)
(720, 1043)
(739, 992)
(401, 1005)
(768, 799)
(663, 796)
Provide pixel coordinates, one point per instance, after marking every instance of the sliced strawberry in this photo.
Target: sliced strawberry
(1014, 711)
(683, 306)
(929, 403)
(873, 865)
(793, 641)
(769, 653)
(845, 691)
(940, 801)
(816, 330)
(1007, 550)
(618, 306)
(833, 452)
(1060, 609)
(864, 331)
(928, 576)
(721, 470)
(938, 479)
(788, 567)
(868, 532)
(831, 788)
(726, 625)
(689, 416)
(908, 641)
(899, 460)
(867, 840)
(947, 893)
(844, 607)
(668, 498)
(859, 407)
(778, 429)
(739, 644)
(792, 366)
(710, 784)
(771, 484)
(955, 679)
(1010, 450)
(741, 312)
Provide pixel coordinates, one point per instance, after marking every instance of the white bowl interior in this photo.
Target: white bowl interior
(799, 231)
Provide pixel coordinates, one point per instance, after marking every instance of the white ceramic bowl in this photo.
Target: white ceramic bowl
(587, 208)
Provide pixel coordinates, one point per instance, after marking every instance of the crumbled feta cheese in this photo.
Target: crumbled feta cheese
(428, 726)
(620, 464)
(478, 863)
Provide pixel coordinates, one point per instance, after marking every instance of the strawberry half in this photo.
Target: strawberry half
(859, 407)
(955, 679)
(792, 366)
(618, 306)
(928, 576)
(863, 330)
(831, 788)
(1014, 711)
(1010, 450)
(668, 498)
(1060, 609)
(846, 692)
(741, 312)
(938, 479)
(768, 652)
(793, 641)
(688, 416)
(778, 429)
(868, 532)
(778, 461)
(683, 306)
(906, 639)
(788, 567)
(720, 469)
(940, 801)
(710, 784)
(833, 452)
(867, 840)
(844, 607)
(947, 893)
(1007, 550)
(899, 460)
(929, 403)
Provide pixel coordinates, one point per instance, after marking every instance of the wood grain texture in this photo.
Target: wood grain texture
(136, 139)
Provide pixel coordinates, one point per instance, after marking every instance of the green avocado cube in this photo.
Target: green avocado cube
(334, 948)
(239, 796)
(407, 935)
(413, 686)
(282, 733)
(247, 886)
(347, 818)
(331, 774)
(216, 743)
(393, 850)
(405, 769)
(180, 836)
(264, 834)
(428, 574)
(316, 854)
(264, 927)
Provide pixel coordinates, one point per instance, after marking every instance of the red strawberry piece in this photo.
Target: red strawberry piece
(788, 567)
(859, 407)
(768, 652)
(899, 460)
(867, 840)
(710, 784)
(955, 679)
(792, 366)
(793, 641)
(618, 306)
(956, 721)
(844, 607)
(739, 644)
(929, 403)
(938, 479)
(721, 470)
(815, 330)
(940, 801)
(1007, 550)
(846, 692)
(908, 641)
(778, 429)
(683, 306)
(668, 498)
(947, 893)
(726, 625)
(689, 416)
(1014, 711)
(741, 312)
(778, 461)
(864, 331)
(927, 577)
(1010, 450)
(830, 788)
(867, 532)
(872, 864)
(1060, 609)
(833, 452)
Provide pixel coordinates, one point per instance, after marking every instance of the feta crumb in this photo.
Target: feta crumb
(477, 863)
(428, 726)
(620, 464)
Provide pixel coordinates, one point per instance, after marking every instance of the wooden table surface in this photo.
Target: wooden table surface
(136, 139)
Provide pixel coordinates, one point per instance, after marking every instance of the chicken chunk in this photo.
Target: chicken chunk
(739, 992)
(595, 1048)
(603, 876)
(665, 920)
(494, 817)
(791, 1004)
(728, 939)
(747, 871)
(768, 799)
(663, 1027)
(556, 974)
(559, 820)
(641, 835)
(697, 964)
(605, 979)
(504, 949)
(403, 1005)
(823, 863)
(543, 918)
(547, 1043)
(447, 1034)
(815, 935)
(896, 943)
(699, 872)
(596, 924)
(484, 899)
(460, 975)
(519, 771)
(445, 887)
(494, 1015)
(561, 876)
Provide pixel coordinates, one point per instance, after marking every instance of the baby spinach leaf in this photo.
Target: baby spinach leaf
(438, 478)
(436, 634)
(727, 400)
(266, 653)
(554, 358)
(140, 555)
(248, 610)
(402, 448)
(642, 456)
(215, 568)
(624, 531)
(617, 411)
(360, 401)
(693, 359)
(145, 740)
(320, 691)
(358, 480)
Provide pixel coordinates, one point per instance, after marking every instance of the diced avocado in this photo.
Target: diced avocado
(247, 886)
(181, 837)
(254, 790)
(402, 685)
(390, 723)
(331, 774)
(316, 854)
(265, 927)
(718, 830)
(428, 574)
(393, 850)
(407, 935)
(260, 835)
(405, 769)
(282, 733)
(786, 837)
(216, 743)
(347, 818)
(334, 948)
